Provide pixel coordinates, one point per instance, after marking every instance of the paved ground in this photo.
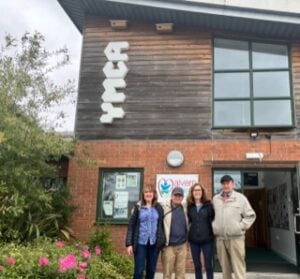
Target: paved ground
(250, 275)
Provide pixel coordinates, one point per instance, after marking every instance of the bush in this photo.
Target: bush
(100, 237)
(49, 260)
(29, 150)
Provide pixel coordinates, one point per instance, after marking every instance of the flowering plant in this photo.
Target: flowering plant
(48, 260)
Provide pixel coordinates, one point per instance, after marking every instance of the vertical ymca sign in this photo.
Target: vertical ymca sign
(115, 71)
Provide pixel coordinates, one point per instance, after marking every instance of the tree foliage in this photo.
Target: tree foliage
(28, 151)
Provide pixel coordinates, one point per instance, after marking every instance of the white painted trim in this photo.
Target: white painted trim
(230, 10)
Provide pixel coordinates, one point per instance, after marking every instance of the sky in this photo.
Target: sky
(47, 17)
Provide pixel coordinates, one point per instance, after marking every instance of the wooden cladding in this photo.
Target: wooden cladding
(168, 93)
(169, 84)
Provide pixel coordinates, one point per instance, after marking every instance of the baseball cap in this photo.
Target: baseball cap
(177, 191)
(226, 178)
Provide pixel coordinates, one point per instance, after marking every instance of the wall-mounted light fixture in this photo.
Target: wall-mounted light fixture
(255, 156)
(118, 24)
(253, 134)
(164, 27)
(175, 158)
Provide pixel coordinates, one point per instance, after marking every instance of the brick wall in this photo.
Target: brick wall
(200, 158)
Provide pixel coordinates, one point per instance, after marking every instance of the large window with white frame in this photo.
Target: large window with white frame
(252, 84)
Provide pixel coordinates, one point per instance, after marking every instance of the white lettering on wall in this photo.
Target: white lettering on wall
(110, 94)
(115, 71)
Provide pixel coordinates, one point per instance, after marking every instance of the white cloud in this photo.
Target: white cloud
(47, 17)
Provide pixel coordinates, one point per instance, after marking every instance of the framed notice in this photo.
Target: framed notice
(119, 190)
(132, 180)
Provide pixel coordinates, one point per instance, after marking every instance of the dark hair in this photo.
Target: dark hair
(190, 198)
(226, 178)
(149, 188)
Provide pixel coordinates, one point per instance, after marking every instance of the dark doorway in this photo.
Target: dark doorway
(270, 242)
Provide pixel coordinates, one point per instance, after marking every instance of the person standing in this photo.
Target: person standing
(233, 216)
(176, 232)
(200, 215)
(145, 235)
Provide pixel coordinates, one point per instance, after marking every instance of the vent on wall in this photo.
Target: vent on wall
(118, 24)
(164, 27)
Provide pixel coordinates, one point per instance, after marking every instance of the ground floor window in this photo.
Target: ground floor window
(236, 175)
(119, 189)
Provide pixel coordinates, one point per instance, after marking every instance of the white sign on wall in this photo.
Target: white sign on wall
(166, 182)
(115, 71)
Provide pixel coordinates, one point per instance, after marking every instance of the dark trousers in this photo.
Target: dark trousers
(145, 255)
(207, 249)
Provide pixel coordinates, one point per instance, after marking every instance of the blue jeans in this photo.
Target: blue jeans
(207, 249)
(145, 254)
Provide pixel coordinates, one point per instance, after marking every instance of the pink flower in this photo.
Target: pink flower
(11, 261)
(43, 261)
(59, 244)
(86, 254)
(83, 266)
(98, 250)
(67, 262)
(1, 267)
(81, 276)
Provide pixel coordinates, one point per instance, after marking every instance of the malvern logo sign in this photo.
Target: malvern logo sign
(115, 71)
(166, 182)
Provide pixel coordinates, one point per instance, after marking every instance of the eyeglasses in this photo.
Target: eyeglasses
(197, 190)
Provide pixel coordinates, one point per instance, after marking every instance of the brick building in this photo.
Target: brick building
(171, 92)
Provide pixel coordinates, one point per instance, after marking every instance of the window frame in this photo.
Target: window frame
(100, 218)
(251, 99)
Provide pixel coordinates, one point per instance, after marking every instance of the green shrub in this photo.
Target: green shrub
(100, 237)
(123, 262)
(29, 153)
(102, 269)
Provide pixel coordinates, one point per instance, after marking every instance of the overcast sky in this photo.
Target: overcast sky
(47, 17)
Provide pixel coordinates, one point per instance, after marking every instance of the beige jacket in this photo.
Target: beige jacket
(168, 218)
(233, 217)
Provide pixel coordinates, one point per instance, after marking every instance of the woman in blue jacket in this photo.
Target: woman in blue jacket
(145, 234)
(200, 215)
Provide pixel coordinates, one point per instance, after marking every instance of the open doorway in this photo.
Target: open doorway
(270, 242)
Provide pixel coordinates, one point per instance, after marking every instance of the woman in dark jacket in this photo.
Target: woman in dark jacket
(200, 215)
(145, 235)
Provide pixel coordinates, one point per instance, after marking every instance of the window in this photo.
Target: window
(119, 190)
(243, 179)
(54, 184)
(252, 85)
(236, 175)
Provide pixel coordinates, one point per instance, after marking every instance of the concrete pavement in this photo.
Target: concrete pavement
(250, 275)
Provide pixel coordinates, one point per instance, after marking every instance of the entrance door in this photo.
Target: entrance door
(257, 235)
(296, 201)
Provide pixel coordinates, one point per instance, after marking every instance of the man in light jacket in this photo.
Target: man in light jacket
(233, 216)
(176, 231)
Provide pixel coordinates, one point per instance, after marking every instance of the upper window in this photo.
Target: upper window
(252, 85)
